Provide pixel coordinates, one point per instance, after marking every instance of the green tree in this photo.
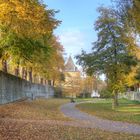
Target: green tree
(129, 11)
(111, 53)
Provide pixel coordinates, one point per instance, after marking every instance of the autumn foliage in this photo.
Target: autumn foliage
(28, 47)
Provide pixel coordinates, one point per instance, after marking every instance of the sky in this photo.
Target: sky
(76, 31)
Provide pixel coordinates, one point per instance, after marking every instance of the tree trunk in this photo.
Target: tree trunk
(49, 82)
(41, 81)
(22, 75)
(30, 75)
(138, 87)
(17, 71)
(35, 78)
(45, 82)
(53, 82)
(25, 74)
(115, 102)
(4, 65)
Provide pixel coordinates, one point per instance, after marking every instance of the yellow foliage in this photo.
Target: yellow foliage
(31, 19)
(130, 78)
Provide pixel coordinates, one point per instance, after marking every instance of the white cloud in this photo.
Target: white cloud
(73, 41)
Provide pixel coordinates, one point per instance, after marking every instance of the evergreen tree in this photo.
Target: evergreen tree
(112, 54)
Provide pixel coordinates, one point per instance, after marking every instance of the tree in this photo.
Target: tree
(111, 53)
(128, 10)
(135, 11)
(129, 13)
(26, 38)
(50, 64)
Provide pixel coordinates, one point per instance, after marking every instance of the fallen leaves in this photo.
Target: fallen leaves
(39, 109)
(24, 130)
(42, 120)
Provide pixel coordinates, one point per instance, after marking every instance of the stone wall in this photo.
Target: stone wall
(13, 88)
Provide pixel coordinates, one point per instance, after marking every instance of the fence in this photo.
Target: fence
(13, 88)
(131, 95)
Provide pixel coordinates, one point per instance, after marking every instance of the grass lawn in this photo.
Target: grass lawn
(83, 99)
(38, 109)
(128, 111)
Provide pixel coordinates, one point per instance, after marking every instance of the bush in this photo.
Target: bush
(106, 93)
(58, 92)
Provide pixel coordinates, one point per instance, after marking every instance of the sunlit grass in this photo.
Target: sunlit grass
(128, 111)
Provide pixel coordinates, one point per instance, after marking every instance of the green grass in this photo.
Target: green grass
(83, 99)
(128, 111)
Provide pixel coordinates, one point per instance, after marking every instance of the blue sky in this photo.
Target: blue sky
(77, 29)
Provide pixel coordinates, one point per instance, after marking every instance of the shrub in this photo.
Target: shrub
(105, 93)
(58, 92)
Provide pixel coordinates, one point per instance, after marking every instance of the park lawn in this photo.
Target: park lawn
(78, 100)
(38, 109)
(128, 111)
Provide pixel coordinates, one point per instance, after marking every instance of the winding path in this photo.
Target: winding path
(89, 121)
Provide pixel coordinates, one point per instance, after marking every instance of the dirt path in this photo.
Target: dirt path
(89, 121)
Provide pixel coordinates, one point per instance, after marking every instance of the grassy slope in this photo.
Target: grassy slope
(128, 111)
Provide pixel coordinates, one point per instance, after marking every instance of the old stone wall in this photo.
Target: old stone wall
(13, 88)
